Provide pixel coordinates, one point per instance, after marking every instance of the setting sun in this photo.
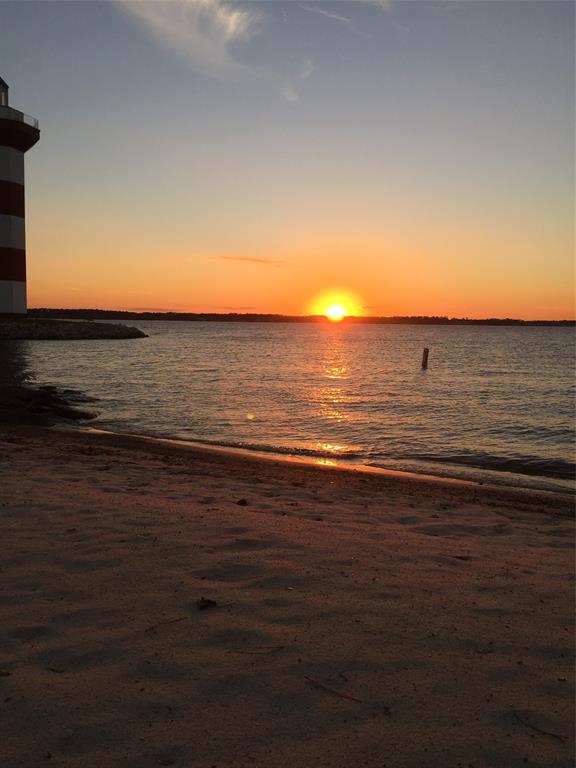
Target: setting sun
(335, 312)
(335, 305)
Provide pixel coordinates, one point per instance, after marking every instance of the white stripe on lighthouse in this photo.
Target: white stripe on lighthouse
(11, 165)
(12, 230)
(13, 297)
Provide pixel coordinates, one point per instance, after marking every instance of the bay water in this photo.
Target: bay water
(496, 403)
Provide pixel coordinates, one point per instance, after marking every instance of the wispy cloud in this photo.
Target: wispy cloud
(248, 259)
(206, 33)
(386, 5)
(291, 90)
(200, 31)
(327, 14)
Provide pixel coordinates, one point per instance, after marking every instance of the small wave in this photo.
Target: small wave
(536, 466)
(339, 453)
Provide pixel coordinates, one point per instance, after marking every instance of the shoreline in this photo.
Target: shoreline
(335, 465)
(249, 317)
(43, 406)
(192, 607)
(180, 450)
(28, 403)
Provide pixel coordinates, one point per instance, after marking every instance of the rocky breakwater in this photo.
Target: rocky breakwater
(29, 329)
(42, 406)
(24, 402)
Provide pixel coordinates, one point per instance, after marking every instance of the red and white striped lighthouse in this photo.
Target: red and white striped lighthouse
(18, 133)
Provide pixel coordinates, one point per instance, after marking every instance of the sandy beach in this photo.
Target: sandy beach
(163, 606)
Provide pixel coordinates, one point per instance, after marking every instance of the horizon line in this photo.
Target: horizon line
(280, 317)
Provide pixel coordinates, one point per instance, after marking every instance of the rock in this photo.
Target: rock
(204, 603)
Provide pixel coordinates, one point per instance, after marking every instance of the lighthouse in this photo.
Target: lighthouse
(18, 133)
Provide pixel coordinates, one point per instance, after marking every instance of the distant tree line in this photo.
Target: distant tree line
(236, 317)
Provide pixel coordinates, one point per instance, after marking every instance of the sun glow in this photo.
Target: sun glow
(335, 305)
(335, 312)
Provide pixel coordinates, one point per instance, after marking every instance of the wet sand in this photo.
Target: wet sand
(163, 606)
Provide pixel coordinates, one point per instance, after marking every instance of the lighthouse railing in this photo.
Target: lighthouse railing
(9, 113)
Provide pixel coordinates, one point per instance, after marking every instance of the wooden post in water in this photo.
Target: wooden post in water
(425, 358)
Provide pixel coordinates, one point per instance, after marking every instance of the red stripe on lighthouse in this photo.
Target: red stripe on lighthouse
(12, 264)
(11, 198)
(18, 135)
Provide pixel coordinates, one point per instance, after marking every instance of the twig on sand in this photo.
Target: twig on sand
(152, 627)
(320, 686)
(257, 651)
(525, 722)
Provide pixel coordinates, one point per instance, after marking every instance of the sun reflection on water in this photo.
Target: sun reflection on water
(334, 366)
(336, 372)
(331, 447)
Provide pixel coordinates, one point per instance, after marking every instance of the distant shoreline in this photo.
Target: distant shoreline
(233, 317)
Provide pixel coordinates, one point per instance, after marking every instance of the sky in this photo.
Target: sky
(207, 156)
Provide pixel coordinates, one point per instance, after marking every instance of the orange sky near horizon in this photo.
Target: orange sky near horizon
(395, 273)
